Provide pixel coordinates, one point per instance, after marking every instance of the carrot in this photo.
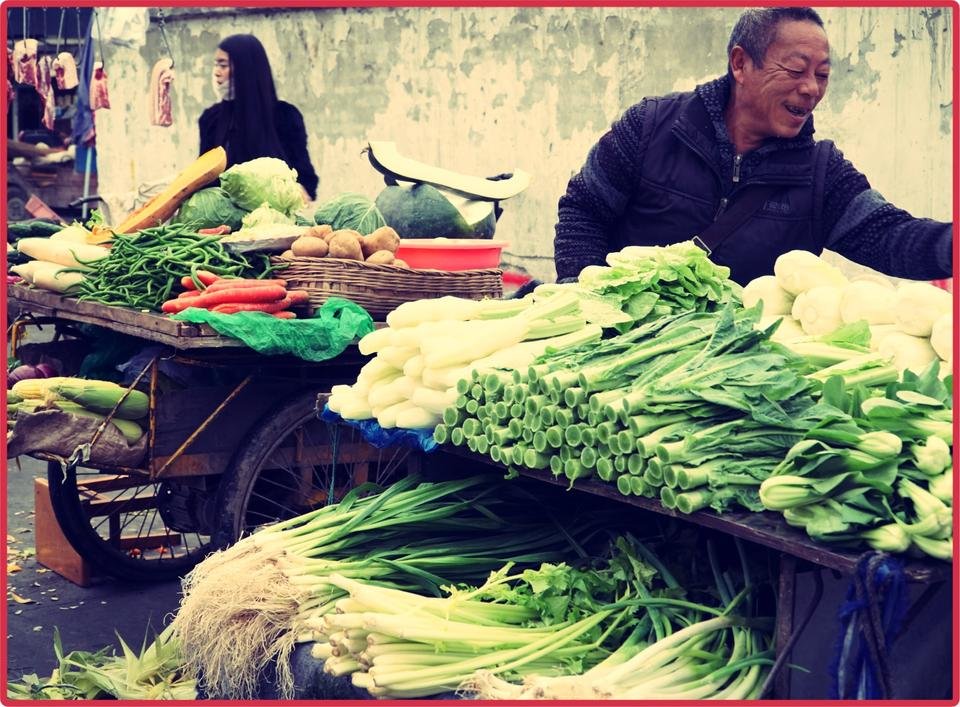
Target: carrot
(206, 279)
(265, 293)
(284, 315)
(173, 306)
(227, 283)
(218, 231)
(294, 297)
(187, 294)
(269, 307)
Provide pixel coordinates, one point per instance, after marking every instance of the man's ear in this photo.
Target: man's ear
(738, 61)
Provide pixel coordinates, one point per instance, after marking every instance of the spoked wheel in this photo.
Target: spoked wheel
(122, 523)
(296, 462)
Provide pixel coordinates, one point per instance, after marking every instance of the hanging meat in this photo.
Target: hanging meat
(99, 98)
(25, 61)
(65, 71)
(11, 91)
(161, 105)
(45, 89)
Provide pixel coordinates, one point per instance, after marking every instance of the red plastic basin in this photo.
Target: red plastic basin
(450, 253)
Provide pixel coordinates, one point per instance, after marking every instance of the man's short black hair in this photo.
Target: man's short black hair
(756, 29)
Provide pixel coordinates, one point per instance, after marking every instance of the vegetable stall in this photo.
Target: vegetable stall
(718, 440)
(224, 357)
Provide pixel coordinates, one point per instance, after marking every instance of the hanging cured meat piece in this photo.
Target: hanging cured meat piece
(65, 71)
(11, 91)
(45, 89)
(161, 105)
(99, 98)
(25, 61)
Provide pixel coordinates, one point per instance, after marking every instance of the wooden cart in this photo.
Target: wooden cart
(243, 448)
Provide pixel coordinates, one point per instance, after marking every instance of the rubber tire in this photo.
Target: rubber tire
(65, 500)
(17, 203)
(239, 479)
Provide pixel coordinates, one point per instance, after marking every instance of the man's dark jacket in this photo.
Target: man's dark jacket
(667, 169)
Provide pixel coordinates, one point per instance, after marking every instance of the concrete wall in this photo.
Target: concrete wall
(487, 90)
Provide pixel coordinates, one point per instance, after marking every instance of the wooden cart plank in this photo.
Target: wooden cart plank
(146, 325)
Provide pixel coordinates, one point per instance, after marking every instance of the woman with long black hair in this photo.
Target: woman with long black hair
(249, 121)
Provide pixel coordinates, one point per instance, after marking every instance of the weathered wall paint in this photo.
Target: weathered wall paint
(487, 90)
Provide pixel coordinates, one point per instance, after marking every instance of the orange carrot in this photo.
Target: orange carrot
(228, 283)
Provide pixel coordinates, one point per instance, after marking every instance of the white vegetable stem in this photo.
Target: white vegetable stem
(765, 289)
(919, 305)
(868, 300)
(818, 310)
(941, 337)
(799, 270)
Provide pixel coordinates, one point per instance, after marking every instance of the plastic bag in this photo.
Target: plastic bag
(380, 438)
(334, 326)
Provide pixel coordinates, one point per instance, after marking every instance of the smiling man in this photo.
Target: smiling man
(734, 166)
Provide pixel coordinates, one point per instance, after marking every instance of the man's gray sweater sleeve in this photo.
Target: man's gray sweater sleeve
(863, 226)
(597, 196)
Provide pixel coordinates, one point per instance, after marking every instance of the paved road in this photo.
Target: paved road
(87, 618)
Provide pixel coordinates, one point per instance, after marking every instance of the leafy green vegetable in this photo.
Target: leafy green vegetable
(654, 281)
(265, 214)
(265, 179)
(350, 210)
(96, 219)
(209, 208)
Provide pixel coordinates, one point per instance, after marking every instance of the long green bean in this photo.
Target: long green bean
(145, 267)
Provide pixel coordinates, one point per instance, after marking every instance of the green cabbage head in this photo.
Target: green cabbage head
(265, 214)
(265, 179)
(209, 208)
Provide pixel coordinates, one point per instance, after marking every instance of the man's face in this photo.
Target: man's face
(781, 95)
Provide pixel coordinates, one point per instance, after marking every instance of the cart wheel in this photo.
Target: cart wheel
(296, 462)
(17, 203)
(114, 523)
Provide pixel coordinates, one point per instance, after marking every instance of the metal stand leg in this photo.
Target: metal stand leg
(786, 606)
(788, 630)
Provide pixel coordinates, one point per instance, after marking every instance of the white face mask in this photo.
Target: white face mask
(223, 91)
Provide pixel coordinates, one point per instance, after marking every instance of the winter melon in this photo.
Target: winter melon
(423, 211)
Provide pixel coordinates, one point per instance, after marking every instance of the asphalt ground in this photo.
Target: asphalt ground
(40, 601)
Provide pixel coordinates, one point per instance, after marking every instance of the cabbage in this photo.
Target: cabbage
(265, 214)
(265, 179)
(349, 210)
(209, 208)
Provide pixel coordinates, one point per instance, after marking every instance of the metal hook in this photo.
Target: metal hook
(163, 36)
(63, 15)
(96, 16)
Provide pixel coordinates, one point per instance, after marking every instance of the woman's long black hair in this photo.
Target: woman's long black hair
(247, 126)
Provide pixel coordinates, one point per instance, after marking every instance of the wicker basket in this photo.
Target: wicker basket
(382, 288)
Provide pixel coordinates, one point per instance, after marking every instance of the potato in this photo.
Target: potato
(310, 247)
(319, 231)
(400, 263)
(384, 238)
(345, 245)
(356, 235)
(381, 257)
(287, 254)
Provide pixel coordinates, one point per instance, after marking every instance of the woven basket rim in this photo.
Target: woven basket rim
(346, 262)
